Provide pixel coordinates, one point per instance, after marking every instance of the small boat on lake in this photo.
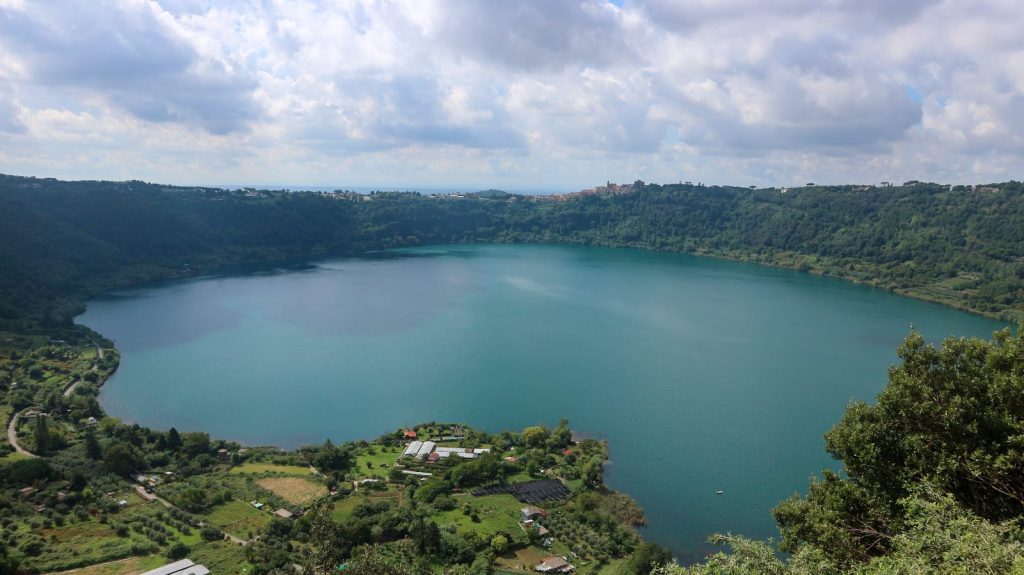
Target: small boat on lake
(720, 492)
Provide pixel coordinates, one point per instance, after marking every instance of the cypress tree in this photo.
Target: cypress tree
(42, 434)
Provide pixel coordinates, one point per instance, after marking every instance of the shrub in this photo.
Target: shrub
(178, 551)
(211, 534)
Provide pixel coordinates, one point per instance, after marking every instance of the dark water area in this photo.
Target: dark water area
(702, 374)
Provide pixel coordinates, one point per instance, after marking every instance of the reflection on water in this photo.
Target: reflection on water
(702, 374)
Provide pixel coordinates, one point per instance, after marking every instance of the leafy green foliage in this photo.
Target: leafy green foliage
(66, 240)
(935, 475)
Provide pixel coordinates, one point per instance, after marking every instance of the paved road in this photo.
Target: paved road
(71, 388)
(12, 435)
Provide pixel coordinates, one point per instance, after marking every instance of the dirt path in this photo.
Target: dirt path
(12, 435)
(154, 497)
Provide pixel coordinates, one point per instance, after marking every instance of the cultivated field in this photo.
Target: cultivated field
(294, 490)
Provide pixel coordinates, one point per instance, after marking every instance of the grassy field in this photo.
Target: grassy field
(521, 477)
(382, 456)
(574, 484)
(521, 560)
(238, 518)
(272, 468)
(221, 557)
(129, 566)
(613, 567)
(294, 490)
(497, 513)
(344, 508)
(86, 542)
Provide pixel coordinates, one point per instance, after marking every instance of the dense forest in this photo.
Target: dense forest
(63, 241)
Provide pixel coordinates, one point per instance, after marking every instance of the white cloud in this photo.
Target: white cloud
(522, 95)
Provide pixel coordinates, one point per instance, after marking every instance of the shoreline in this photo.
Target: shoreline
(288, 265)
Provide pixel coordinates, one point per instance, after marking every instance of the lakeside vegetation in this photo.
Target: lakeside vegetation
(65, 241)
(933, 470)
(92, 490)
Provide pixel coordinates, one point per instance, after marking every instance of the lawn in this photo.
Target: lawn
(272, 468)
(238, 518)
(497, 513)
(574, 484)
(382, 456)
(294, 490)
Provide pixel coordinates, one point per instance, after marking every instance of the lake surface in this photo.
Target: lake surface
(702, 374)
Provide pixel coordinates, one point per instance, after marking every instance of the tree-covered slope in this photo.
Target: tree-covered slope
(61, 241)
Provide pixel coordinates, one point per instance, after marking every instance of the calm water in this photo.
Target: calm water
(702, 374)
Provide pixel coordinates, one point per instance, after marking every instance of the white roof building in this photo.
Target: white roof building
(425, 449)
(183, 567)
(412, 449)
(464, 452)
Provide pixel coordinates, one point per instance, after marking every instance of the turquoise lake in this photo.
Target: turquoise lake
(702, 374)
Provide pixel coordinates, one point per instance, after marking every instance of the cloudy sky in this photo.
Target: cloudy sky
(524, 95)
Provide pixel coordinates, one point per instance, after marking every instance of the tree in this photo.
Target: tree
(948, 415)
(950, 420)
(121, 458)
(92, 445)
(331, 458)
(27, 471)
(847, 522)
(326, 549)
(747, 558)
(376, 560)
(535, 436)
(178, 551)
(943, 537)
(426, 536)
(647, 557)
(42, 434)
(561, 437)
(173, 440)
(500, 543)
(195, 443)
(210, 533)
(8, 564)
(592, 471)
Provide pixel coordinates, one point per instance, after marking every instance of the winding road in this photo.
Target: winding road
(12, 435)
(71, 387)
